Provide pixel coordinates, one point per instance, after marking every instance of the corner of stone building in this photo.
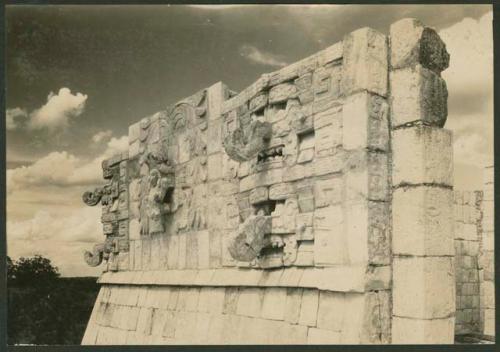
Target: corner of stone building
(422, 184)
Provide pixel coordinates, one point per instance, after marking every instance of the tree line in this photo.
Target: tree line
(44, 308)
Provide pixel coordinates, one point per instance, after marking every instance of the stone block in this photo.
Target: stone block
(231, 298)
(145, 321)
(469, 232)
(192, 296)
(274, 303)
(365, 122)
(332, 116)
(216, 95)
(281, 191)
(305, 198)
(305, 156)
(331, 310)
(293, 305)
(420, 331)
(328, 192)
(250, 302)
(328, 164)
(211, 300)
(412, 43)
(170, 322)
(286, 334)
(259, 195)
(367, 232)
(428, 282)
(368, 318)
(327, 139)
(423, 221)
(309, 307)
(263, 178)
(322, 337)
(329, 238)
(364, 64)
(418, 94)
(422, 155)
(366, 176)
(282, 92)
(258, 102)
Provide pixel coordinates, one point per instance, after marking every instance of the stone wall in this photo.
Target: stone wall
(467, 243)
(486, 256)
(265, 216)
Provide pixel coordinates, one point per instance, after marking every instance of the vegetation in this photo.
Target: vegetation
(43, 308)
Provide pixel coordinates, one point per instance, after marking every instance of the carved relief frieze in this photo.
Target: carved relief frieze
(113, 197)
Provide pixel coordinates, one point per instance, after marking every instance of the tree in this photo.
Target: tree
(30, 305)
(10, 270)
(34, 272)
(44, 309)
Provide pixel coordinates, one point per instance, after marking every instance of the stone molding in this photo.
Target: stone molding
(338, 279)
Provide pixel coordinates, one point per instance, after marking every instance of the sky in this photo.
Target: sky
(78, 76)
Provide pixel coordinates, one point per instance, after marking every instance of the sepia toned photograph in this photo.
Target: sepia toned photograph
(249, 174)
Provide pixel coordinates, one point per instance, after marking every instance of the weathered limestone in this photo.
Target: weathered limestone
(467, 205)
(365, 62)
(486, 256)
(423, 220)
(422, 155)
(419, 95)
(289, 213)
(414, 44)
(422, 177)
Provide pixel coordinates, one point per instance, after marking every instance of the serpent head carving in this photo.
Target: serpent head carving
(92, 198)
(95, 257)
(250, 239)
(245, 143)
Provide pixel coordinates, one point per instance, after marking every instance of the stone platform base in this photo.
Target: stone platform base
(164, 315)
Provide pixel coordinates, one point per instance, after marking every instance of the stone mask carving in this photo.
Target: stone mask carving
(109, 197)
(250, 239)
(245, 143)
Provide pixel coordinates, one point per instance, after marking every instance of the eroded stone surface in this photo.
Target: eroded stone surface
(418, 95)
(412, 43)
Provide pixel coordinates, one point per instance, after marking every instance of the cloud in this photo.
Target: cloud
(12, 117)
(470, 84)
(101, 136)
(63, 169)
(58, 110)
(81, 226)
(253, 54)
(60, 238)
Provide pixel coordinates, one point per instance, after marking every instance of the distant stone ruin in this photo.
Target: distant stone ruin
(474, 262)
(313, 207)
